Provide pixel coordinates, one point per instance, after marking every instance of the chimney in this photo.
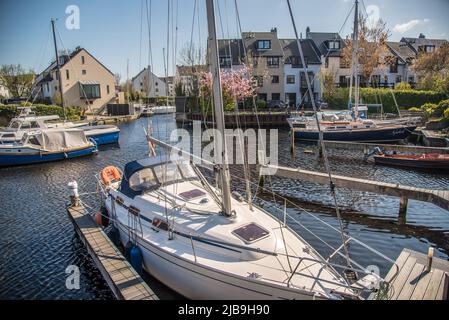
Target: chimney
(274, 30)
(422, 36)
(307, 32)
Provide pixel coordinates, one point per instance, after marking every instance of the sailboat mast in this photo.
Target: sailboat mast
(355, 58)
(58, 71)
(224, 176)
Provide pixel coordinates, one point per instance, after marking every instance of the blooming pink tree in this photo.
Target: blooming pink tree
(237, 85)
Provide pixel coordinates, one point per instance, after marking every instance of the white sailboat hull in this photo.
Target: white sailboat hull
(197, 282)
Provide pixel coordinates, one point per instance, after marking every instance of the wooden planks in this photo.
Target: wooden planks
(437, 197)
(123, 280)
(413, 282)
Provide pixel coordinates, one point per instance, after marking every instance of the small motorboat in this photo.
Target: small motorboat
(431, 161)
(28, 121)
(146, 112)
(47, 145)
(103, 134)
(164, 109)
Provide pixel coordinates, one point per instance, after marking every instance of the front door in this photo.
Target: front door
(290, 99)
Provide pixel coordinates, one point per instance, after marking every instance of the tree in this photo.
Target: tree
(117, 77)
(327, 79)
(433, 70)
(373, 52)
(191, 56)
(17, 80)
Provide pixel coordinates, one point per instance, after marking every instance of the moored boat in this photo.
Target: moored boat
(103, 134)
(425, 161)
(47, 145)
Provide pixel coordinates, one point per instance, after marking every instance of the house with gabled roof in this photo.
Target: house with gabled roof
(149, 85)
(86, 82)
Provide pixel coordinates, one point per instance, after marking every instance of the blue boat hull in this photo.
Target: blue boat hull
(373, 135)
(105, 138)
(23, 159)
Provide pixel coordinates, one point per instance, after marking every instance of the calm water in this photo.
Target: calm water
(37, 240)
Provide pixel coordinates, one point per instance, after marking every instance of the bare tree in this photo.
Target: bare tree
(190, 55)
(17, 80)
(117, 77)
(373, 52)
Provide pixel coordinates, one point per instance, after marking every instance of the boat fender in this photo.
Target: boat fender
(128, 247)
(136, 259)
(104, 217)
(99, 218)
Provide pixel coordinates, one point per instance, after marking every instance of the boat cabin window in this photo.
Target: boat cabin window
(143, 180)
(168, 173)
(15, 125)
(33, 140)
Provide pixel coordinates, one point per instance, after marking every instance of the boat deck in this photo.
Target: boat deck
(412, 282)
(123, 280)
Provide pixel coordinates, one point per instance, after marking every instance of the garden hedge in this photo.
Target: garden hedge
(406, 99)
(7, 112)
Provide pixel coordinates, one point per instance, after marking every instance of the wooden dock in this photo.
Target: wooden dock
(367, 147)
(437, 197)
(410, 278)
(123, 280)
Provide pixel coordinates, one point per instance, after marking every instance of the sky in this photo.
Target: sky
(116, 31)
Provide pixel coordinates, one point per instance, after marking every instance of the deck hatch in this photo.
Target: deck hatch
(251, 232)
(192, 194)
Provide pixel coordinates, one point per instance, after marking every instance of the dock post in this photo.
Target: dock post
(320, 147)
(403, 210)
(74, 195)
(429, 259)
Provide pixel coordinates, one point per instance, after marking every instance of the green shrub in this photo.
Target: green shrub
(10, 111)
(261, 104)
(429, 109)
(441, 108)
(405, 98)
(414, 109)
(403, 86)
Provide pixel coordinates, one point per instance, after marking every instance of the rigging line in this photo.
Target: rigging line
(326, 162)
(141, 35)
(150, 49)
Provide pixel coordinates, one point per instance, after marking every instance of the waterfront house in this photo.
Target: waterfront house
(4, 92)
(148, 84)
(170, 83)
(86, 82)
(187, 78)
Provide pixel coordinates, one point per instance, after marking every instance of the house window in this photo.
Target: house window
(156, 83)
(411, 79)
(259, 81)
(107, 89)
(225, 62)
(274, 79)
(90, 91)
(83, 60)
(56, 88)
(157, 90)
(264, 44)
(334, 45)
(290, 79)
(344, 63)
(84, 72)
(430, 49)
(276, 96)
(343, 81)
(263, 96)
(67, 75)
(394, 66)
(273, 62)
(398, 79)
(48, 87)
(304, 81)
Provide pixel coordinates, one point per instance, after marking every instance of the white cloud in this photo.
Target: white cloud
(407, 26)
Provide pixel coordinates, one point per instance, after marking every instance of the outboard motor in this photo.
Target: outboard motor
(375, 151)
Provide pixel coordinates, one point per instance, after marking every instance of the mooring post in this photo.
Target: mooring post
(74, 195)
(403, 209)
(429, 259)
(320, 147)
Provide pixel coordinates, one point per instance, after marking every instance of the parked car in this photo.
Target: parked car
(276, 104)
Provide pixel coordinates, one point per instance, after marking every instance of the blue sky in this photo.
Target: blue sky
(110, 29)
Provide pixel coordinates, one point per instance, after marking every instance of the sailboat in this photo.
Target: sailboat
(350, 127)
(202, 242)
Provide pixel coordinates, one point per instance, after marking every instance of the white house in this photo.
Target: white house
(4, 92)
(149, 85)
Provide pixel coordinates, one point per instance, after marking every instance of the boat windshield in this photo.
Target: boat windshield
(14, 125)
(174, 171)
(143, 180)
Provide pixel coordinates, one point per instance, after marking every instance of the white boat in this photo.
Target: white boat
(146, 112)
(164, 109)
(28, 121)
(205, 244)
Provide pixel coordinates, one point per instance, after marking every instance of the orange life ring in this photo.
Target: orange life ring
(110, 174)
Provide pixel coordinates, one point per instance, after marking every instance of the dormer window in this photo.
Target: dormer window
(264, 45)
(334, 45)
(430, 49)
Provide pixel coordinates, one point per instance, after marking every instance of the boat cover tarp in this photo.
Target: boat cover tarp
(55, 140)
